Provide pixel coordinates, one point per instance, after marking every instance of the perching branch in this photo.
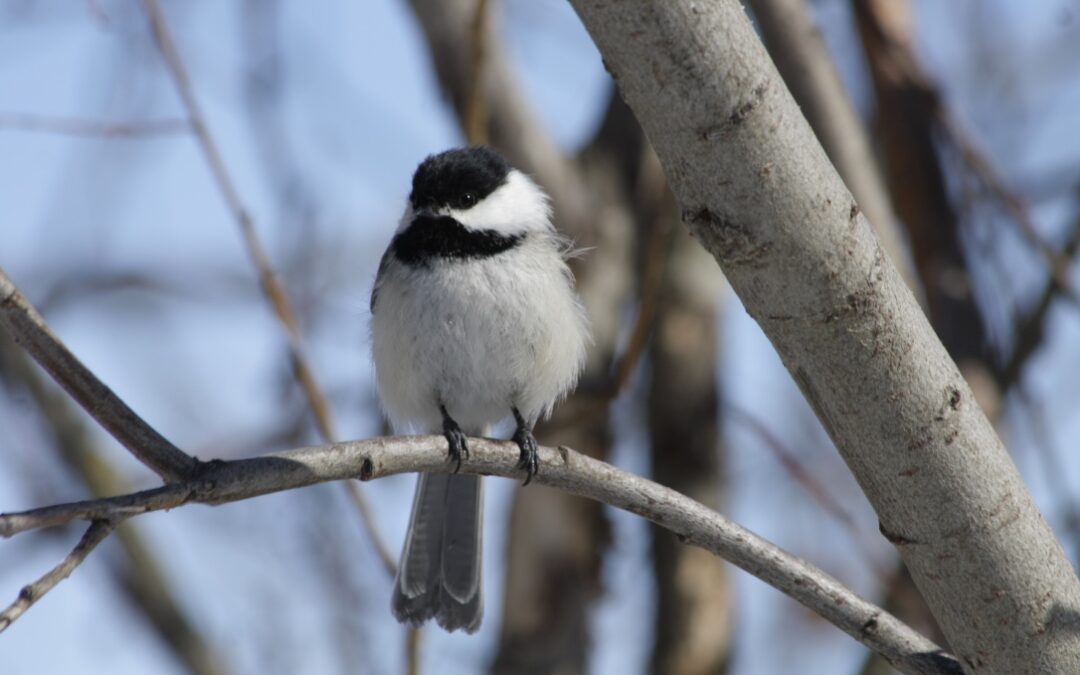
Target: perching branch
(563, 468)
(268, 280)
(26, 326)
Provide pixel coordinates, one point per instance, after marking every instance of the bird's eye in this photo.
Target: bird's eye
(466, 200)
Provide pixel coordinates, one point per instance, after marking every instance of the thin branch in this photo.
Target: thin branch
(817, 491)
(141, 576)
(562, 468)
(1057, 263)
(31, 593)
(74, 126)
(271, 286)
(29, 329)
(267, 278)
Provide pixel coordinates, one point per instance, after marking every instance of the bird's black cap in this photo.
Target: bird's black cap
(446, 178)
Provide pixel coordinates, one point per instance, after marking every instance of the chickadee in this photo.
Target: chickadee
(474, 319)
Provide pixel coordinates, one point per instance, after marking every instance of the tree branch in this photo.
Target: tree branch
(562, 468)
(268, 280)
(31, 593)
(30, 331)
(759, 193)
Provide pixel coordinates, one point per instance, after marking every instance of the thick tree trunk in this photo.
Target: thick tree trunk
(759, 193)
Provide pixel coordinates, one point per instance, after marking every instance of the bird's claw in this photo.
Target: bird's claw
(458, 442)
(530, 455)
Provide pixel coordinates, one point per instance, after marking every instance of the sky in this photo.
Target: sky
(202, 359)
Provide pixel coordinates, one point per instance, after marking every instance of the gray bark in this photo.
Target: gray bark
(760, 194)
(797, 48)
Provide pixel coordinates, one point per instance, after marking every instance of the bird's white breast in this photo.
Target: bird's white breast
(478, 336)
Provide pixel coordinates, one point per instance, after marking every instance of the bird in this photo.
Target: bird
(475, 320)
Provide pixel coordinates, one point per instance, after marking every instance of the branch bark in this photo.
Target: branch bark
(221, 482)
(759, 193)
(799, 52)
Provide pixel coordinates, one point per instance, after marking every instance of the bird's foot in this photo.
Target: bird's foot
(456, 439)
(530, 455)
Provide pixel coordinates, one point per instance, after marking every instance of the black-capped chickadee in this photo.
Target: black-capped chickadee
(474, 319)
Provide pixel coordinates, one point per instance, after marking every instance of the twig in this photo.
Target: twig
(267, 277)
(562, 468)
(271, 286)
(140, 576)
(31, 593)
(73, 126)
(28, 329)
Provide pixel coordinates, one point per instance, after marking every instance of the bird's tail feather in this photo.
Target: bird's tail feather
(440, 570)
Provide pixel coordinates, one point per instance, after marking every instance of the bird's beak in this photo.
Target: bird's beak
(425, 212)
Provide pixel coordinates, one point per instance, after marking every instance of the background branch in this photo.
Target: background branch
(272, 289)
(31, 593)
(29, 330)
(562, 468)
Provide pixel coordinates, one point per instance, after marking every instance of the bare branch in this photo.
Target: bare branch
(562, 468)
(31, 593)
(267, 277)
(28, 329)
(268, 280)
(74, 126)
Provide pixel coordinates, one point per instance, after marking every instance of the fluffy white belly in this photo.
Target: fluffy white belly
(478, 336)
